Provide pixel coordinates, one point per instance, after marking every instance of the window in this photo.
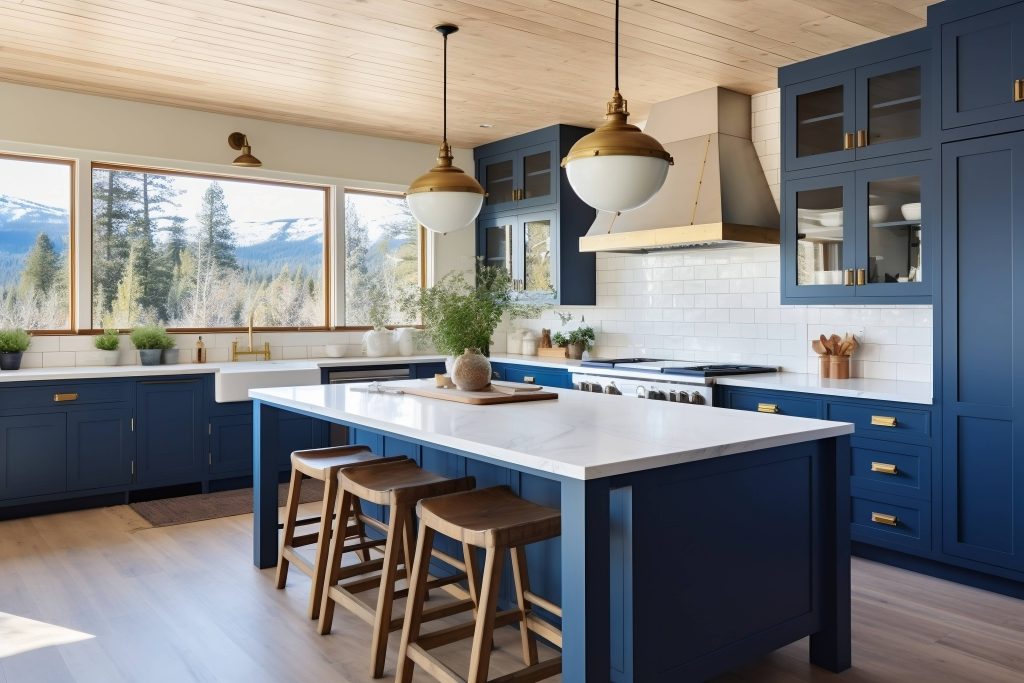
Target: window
(36, 199)
(383, 245)
(194, 251)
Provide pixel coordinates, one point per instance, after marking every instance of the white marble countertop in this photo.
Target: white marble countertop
(859, 387)
(580, 436)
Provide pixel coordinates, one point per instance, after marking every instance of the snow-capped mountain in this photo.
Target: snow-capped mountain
(21, 221)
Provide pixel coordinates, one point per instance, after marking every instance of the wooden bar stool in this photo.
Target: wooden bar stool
(322, 464)
(496, 520)
(399, 486)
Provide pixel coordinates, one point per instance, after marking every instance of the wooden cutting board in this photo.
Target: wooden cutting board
(486, 397)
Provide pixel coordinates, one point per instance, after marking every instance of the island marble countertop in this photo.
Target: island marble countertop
(581, 435)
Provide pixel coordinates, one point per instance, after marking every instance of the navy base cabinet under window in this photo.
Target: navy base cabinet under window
(101, 447)
(33, 455)
(231, 444)
(169, 432)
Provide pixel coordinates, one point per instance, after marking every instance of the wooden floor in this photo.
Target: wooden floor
(184, 603)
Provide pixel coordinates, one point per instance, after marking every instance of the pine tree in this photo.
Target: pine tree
(115, 202)
(215, 236)
(43, 266)
(125, 310)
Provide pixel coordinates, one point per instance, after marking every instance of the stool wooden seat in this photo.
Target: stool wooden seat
(322, 464)
(398, 486)
(496, 520)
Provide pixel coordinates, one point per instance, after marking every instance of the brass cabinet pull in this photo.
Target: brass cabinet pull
(862, 277)
(1018, 90)
(848, 277)
(862, 138)
(883, 421)
(882, 518)
(848, 142)
(767, 408)
(884, 468)
(63, 398)
(529, 379)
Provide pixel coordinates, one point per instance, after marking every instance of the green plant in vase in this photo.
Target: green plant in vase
(151, 341)
(108, 343)
(13, 344)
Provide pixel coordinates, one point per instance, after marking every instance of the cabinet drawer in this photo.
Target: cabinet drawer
(546, 378)
(883, 521)
(884, 422)
(773, 403)
(888, 467)
(64, 395)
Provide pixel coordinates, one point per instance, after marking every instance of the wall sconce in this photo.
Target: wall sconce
(240, 142)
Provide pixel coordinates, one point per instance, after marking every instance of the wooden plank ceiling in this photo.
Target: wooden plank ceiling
(374, 66)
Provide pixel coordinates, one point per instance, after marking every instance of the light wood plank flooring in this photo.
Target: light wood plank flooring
(184, 603)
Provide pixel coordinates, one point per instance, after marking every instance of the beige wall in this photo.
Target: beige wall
(91, 128)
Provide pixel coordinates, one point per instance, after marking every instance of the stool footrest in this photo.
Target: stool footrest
(544, 629)
(375, 523)
(435, 668)
(304, 539)
(537, 672)
(545, 605)
(366, 583)
(301, 563)
(448, 559)
(458, 632)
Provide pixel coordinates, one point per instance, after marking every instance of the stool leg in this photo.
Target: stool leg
(357, 517)
(414, 604)
(483, 635)
(337, 549)
(291, 512)
(522, 582)
(399, 519)
(316, 591)
(472, 576)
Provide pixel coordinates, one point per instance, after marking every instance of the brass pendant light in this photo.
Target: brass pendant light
(445, 198)
(617, 167)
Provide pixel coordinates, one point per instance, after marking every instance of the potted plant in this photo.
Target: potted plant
(458, 314)
(151, 340)
(107, 343)
(579, 340)
(13, 343)
(379, 341)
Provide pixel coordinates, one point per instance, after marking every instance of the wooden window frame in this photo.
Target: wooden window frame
(326, 263)
(72, 165)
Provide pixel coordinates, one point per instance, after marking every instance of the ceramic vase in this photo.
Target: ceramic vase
(405, 338)
(150, 356)
(529, 346)
(471, 371)
(378, 342)
(110, 357)
(514, 342)
(170, 356)
(10, 360)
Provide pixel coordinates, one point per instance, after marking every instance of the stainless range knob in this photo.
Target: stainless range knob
(641, 391)
(583, 386)
(596, 388)
(612, 389)
(656, 395)
(683, 397)
(697, 399)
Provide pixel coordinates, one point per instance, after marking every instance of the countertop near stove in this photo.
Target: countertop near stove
(859, 387)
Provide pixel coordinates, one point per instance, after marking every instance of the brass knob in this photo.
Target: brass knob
(767, 408)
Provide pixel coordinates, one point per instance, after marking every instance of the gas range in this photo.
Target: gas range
(682, 383)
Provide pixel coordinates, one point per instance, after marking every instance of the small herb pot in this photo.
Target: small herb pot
(110, 358)
(170, 356)
(575, 351)
(10, 360)
(150, 356)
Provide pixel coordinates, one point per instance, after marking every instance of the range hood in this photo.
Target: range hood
(715, 195)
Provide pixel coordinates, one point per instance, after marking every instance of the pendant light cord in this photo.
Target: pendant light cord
(616, 45)
(444, 134)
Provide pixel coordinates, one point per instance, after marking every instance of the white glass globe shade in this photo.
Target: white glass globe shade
(617, 182)
(444, 211)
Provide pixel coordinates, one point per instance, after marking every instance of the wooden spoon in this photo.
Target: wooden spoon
(836, 343)
(818, 347)
(826, 343)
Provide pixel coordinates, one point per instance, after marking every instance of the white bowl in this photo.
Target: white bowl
(334, 350)
(912, 211)
(831, 219)
(877, 213)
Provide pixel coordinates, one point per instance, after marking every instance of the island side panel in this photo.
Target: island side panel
(265, 434)
(730, 561)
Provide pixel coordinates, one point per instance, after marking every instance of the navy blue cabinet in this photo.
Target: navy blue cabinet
(100, 447)
(230, 447)
(870, 109)
(860, 236)
(532, 220)
(528, 374)
(982, 64)
(169, 429)
(33, 455)
(982, 325)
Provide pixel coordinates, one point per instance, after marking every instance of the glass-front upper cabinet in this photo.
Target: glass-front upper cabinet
(864, 113)
(860, 236)
(520, 179)
(538, 265)
(496, 238)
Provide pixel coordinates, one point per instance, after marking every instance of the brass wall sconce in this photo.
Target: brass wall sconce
(241, 142)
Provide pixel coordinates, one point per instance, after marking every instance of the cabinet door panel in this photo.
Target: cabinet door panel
(983, 293)
(33, 455)
(537, 235)
(231, 444)
(101, 446)
(818, 236)
(498, 175)
(893, 105)
(170, 432)
(494, 243)
(981, 58)
(818, 115)
(539, 169)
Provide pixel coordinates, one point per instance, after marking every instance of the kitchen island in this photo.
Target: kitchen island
(693, 538)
